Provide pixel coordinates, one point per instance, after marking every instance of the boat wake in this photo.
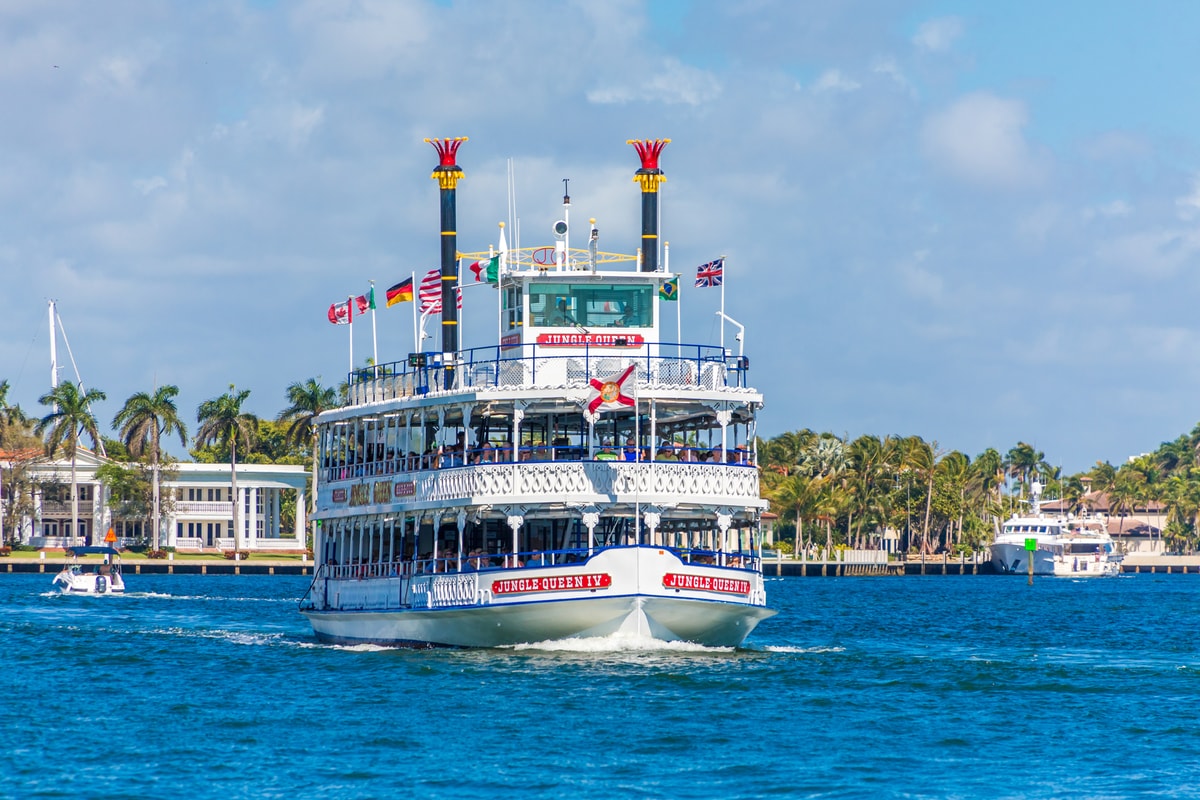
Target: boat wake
(802, 650)
(616, 643)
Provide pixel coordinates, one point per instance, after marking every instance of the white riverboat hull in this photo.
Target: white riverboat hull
(627, 590)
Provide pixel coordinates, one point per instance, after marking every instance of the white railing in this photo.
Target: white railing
(567, 481)
(220, 509)
(701, 367)
(284, 543)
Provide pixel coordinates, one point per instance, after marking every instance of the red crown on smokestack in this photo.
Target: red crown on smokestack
(648, 150)
(649, 176)
(447, 171)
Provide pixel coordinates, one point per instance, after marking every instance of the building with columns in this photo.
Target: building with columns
(197, 509)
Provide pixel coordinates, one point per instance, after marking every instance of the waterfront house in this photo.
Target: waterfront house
(197, 506)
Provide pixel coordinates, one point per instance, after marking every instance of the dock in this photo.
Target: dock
(214, 566)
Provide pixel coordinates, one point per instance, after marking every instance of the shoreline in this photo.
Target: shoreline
(773, 568)
(189, 566)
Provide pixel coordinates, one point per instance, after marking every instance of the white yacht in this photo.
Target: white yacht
(80, 578)
(1066, 546)
(579, 478)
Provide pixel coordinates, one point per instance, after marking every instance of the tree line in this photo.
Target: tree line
(827, 490)
(224, 432)
(834, 491)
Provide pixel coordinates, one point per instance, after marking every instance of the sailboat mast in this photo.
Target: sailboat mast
(53, 348)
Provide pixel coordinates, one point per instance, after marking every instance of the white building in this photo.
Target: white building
(198, 514)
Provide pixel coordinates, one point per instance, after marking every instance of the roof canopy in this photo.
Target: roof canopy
(89, 550)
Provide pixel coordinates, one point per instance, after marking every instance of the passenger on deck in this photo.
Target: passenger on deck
(631, 452)
(606, 452)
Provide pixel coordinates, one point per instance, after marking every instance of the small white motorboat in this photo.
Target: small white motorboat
(81, 578)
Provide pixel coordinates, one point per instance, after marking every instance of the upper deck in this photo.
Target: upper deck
(699, 372)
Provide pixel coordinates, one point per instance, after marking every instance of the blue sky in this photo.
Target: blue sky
(974, 222)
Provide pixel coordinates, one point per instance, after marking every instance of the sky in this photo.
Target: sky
(974, 222)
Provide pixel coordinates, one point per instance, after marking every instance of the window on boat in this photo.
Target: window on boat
(604, 305)
(512, 308)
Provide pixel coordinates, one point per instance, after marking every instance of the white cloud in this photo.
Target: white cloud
(148, 185)
(1109, 210)
(834, 80)
(674, 83)
(1189, 204)
(921, 282)
(980, 139)
(1158, 252)
(889, 68)
(118, 73)
(937, 35)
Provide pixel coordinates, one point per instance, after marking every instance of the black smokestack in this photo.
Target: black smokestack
(649, 177)
(447, 174)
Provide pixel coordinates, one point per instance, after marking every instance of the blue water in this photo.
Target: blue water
(212, 687)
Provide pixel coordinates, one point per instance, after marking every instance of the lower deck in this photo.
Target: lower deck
(704, 597)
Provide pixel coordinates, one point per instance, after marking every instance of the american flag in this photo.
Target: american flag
(710, 274)
(431, 293)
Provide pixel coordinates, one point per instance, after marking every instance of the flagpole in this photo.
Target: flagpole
(350, 317)
(416, 341)
(457, 295)
(722, 306)
(678, 318)
(374, 335)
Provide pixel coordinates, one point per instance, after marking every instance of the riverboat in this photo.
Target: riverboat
(580, 478)
(1064, 546)
(105, 579)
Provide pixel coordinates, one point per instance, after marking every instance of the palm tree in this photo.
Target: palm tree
(307, 400)
(989, 474)
(223, 422)
(1023, 463)
(14, 424)
(141, 424)
(797, 494)
(71, 418)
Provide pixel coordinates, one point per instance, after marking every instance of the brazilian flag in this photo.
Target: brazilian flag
(670, 289)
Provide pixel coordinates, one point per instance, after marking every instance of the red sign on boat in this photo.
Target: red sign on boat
(552, 583)
(405, 489)
(706, 583)
(590, 339)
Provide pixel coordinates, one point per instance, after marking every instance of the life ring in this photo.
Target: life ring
(101, 584)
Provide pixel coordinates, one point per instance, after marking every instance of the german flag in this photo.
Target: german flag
(402, 292)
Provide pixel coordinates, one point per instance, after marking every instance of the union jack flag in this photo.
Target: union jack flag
(710, 274)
